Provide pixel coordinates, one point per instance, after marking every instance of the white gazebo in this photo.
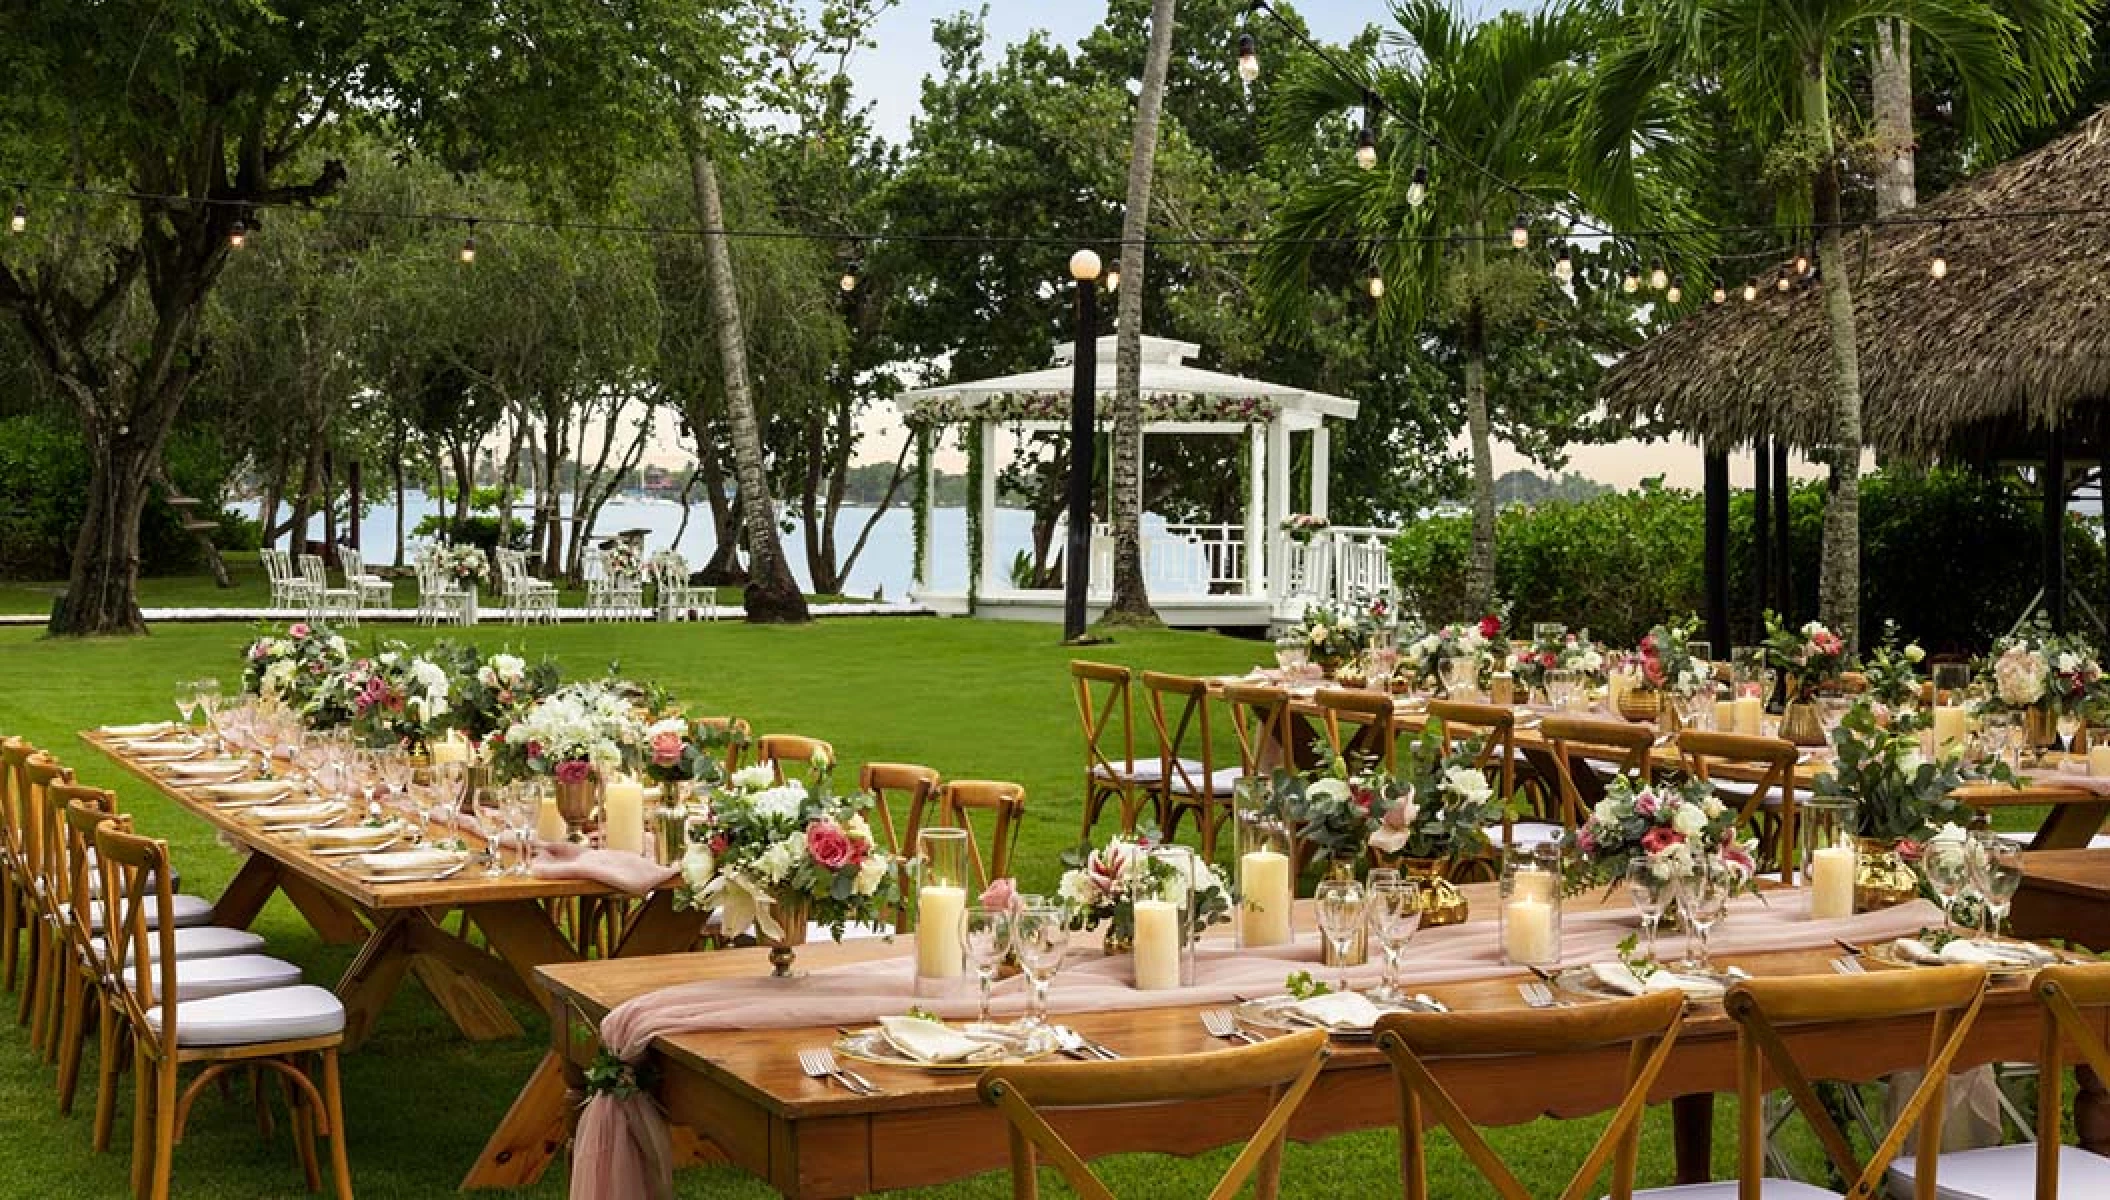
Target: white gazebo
(1246, 574)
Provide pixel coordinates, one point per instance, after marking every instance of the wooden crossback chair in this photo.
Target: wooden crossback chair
(916, 787)
(1106, 715)
(2063, 991)
(1260, 720)
(77, 812)
(1766, 807)
(736, 729)
(1188, 783)
(1495, 725)
(33, 786)
(775, 749)
(272, 1030)
(17, 909)
(1762, 1008)
(1574, 743)
(1368, 717)
(1285, 1066)
(1648, 1025)
(1007, 801)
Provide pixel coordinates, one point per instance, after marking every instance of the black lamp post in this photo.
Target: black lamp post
(1084, 432)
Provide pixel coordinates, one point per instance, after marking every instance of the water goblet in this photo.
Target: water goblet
(1996, 870)
(1341, 903)
(1560, 688)
(1946, 866)
(1040, 936)
(1703, 897)
(187, 702)
(522, 805)
(1653, 890)
(2068, 725)
(1394, 915)
(209, 701)
(985, 937)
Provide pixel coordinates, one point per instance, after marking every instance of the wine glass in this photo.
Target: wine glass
(1040, 936)
(1946, 866)
(1560, 688)
(522, 805)
(2069, 724)
(985, 936)
(1996, 870)
(206, 697)
(1652, 890)
(1394, 914)
(1341, 903)
(1703, 897)
(187, 702)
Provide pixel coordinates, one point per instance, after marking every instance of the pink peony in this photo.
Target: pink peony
(1002, 894)
(828, 844)
(1585, 841)
(1646, 804)
(299, 630)
(1661, 838)
(666, 748)
(574, 770)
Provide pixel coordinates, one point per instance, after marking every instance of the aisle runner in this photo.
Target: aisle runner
(623, 1149)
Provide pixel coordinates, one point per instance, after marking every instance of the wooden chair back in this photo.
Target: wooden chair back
(914, 785)
(1260, 720)
(738, 733)
(1704, 751)
(43, 839)
(1647, 1025)
(1574, 743)
(1106, 717)
(78, 811)
(1285, 1066)
(1952, 996)
(2064, 991)
(14, 756)
(1005, 801)
(1368, 716)
(773, 750)
(1179, 713)
(136, 878)
(1496, 727)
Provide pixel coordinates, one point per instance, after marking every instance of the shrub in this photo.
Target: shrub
(44, 494)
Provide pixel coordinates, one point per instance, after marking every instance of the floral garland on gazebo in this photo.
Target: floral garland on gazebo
(1046, 406)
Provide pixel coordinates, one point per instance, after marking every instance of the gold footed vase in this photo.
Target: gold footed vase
(1441, 901)
(580, 806)
(1883, 878)
(1640, 704)
(790, 913)
(1799, 724)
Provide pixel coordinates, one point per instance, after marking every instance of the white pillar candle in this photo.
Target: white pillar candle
(2099, 760)
(1530, 883)
(1263, 915)
(450, 749)
(1832, 882)
(1749, 711)
(1948, 727)
(549, 823)
(939, 908)
(1527, 931)
(1157, 952)
(623, 815)
(1725, 716)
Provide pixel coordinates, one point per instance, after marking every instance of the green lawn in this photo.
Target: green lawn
(971, 698)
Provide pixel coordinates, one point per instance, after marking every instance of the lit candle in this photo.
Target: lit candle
(1263, 916)
(1832, 882)
(1749, 711)
(1724, 716)
(1530, 883)
(1948, 727)
(549, 823)
(939, 908)
(453, 748)
(1157, 952)
(1527, 931)
(623, 815)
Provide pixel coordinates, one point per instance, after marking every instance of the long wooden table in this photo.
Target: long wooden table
(742, 1094)
(2065, 894)
(505, 929)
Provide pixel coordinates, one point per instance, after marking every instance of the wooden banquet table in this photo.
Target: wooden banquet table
(2065, 894)
(743, 1096)
(2074, 813)
(401, 928)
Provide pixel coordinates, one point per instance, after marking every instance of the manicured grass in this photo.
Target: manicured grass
(971, 698)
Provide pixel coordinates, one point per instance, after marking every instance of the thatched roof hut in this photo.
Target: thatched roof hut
(1984, 363)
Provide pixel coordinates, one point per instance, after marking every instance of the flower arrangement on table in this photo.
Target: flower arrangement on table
(577, 734)
(462, 564)
(1425, 656)
(1809, 659)
(1563, 652)
(678, 750)
(2038, 669)
(773, 857)
(397, 698)
(1334, 636)
(490, 693)
(1438, 807)
(1892, 672)
(1301, 528)
(299, 669)
(1899, 793)
(1102, 886)
(1666, 661)
(1665, 824)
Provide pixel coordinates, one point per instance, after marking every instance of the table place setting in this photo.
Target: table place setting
(144, 731)
(347, 840)
(294, 816)
(203, 771)
(927, 1043)
(165, 749)
(422, 865)
(1939, 948)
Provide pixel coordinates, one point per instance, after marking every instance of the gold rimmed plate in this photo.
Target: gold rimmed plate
(1582, 981)
(1888, 954)
(1008, 1044)
(1280, 1014)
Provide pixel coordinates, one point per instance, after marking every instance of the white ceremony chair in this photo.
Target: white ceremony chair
(374, 591)
(674, 595)
(593, 572)
(440, 599)
(326, 601)
(529, 598)
(288, 588)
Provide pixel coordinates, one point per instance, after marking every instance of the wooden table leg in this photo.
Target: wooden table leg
(373, 977)
(660, 928)
(336, 922)
(248, 892)
(2070, 826)
(1692, 1133)
(2091, 1111)
(534, 1130)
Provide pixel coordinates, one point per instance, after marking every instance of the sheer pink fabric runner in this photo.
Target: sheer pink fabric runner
(2077, 778)
(622, 1149)
(619, 869)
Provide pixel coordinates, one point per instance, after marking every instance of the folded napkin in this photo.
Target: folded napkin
(145, 729)
(1621, 978)
(1971, 952)
(170, 748)
(400, 862)
(933, 1042)
(215, 769)
(1339, 1010)
(253, 791)
(293, 814)
(619, 869)
(344, 837)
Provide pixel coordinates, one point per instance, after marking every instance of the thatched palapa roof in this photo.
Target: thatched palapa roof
(2015, 341)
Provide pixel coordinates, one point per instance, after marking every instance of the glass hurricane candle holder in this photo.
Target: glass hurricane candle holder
(941, 898)
(1830, 861)
(1267, 888)
(1163, 908)
(1530, 911)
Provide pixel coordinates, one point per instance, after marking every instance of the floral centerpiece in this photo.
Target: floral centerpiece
(465, 565)
(773, 857)
(1476, 641)
(1301, 528)
(1900, 796)
(1564, 652)
(300, 669)
(1892, 672)
(2038, 670)
(1809, 659)
(397, 698)
(490, 693)
(1666, 661)
(1101, 887)
(580, 735)
(1335, 636)
(1663, 823)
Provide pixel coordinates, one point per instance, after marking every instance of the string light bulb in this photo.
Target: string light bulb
(1721, 294)
(1519, 234)
(1658, 278)
(848, 282)
(1366, 149)
(20, 220)
(1418, 185)
(1563, 266)
(1248, 58)
(1802, 265)
(1113, 277)
(1781, 284)
(1375, 286)
(1938, 268)
(1676, 294)
(1750, 290)
(468, 252)
(237, 234)
(1630, 282)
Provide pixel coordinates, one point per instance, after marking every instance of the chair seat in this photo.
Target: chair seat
(1223, 783)
(245, 1018)
(1142, 770)
(189, 910)
(203, 978)
(95, 882)
(2100, 841)
(1771, 1189)
(200, 941)
(2007, 1173)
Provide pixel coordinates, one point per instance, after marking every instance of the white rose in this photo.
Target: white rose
(1318, 634)
(673, 725)
(858, 828)
(1076, 889)
(1336, 790)
(510, 667)
(1913, 653)
(2069, 662)
(781, 803)
(1606, 812)
(487, 677)
(1712, 806)
(1688, 820)
(871, 873)
(1468, 784)
(698, 866)
(755, 778)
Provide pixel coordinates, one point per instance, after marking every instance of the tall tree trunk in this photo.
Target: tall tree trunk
(1896, 143)
(723, 568)
(1839, 575)
(102, 587)
(1130, 604)
(772, 594)
(395, 468)
(1480, 577)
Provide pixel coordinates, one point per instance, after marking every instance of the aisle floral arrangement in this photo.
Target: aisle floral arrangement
(1102, 886)
(772, 857)
(462, 564)
(623, 559)
(1301, 528)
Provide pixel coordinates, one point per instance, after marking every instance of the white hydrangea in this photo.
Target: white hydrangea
(1336, 790)
(780, 803)
(871, 873)
(1076, 889)
(776, 863)
(1468, 784)
(755, 778)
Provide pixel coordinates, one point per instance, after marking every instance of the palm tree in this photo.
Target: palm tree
(1503, 95)
(1777, 65)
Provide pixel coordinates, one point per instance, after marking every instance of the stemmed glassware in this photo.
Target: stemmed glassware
(187, 702)
(1653, 891)
(985, 937)
(1946, 866)
(2069, 724)
(1560, 688)
(521, 804)
(206, 697)
(1996, 871)
(1040, 936)
(1394, 914)
(1703, 894)
(1341, 904)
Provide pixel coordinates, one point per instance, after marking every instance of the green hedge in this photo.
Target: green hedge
(43, 496)
(1951, 555)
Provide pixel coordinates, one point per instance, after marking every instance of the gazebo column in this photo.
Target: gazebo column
(1321, 467)
(1256, 566)
(2054, 482)
(986, 431)
(926, 469)
(1277, 502)
(1716, 555)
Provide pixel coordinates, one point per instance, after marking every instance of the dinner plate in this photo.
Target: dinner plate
(1886, 953)
(1581, 981)
(1279, 1013)
(1012, 1043)
(348, 851)
(424, 875)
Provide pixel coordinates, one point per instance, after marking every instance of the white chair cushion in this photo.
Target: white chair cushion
(2100, 841)
(201, 978)
(245, 1018)
(201, 941)
(1530, 833)
(1142, 770)
(1223, 783)
(1771, 1189)
(2006, 1173)
(188, 910)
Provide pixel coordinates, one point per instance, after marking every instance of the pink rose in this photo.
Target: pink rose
(828, 844)
(1001, 894)
(1586, 842)
(1910, 850)
(298, 631)
(573, 770)
(1661, 838)
(1490, 625)
(1735, 854)
(666, 748)
(1646, 804)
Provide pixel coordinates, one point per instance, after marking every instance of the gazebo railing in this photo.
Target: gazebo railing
(1181, 559)
(1340, 565)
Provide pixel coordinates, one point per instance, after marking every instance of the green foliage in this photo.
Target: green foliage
(44, 479)
(1897, 791)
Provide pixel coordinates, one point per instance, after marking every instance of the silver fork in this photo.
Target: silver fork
(1222, 1024)
(819, 1063)
(1538, 995)
(1848, 966)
